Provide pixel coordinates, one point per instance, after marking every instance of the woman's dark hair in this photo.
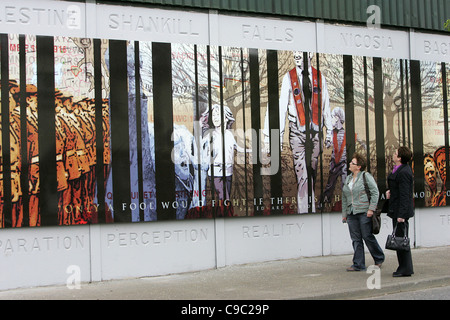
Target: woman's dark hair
(405, 154)
(360, 160)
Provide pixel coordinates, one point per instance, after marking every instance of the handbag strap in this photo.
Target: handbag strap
(393, 230)
(366, 187)
(404, 230)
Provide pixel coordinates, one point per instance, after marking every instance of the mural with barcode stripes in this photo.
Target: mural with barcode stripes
(104, 131)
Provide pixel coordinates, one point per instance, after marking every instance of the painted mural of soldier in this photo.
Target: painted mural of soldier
(291, 102)
(67, 173)
(87, 134)
(15, 156)
(33, 154)
(338, 161)
(106, 130)
(76, 164)
(61, 173)
(76, 158)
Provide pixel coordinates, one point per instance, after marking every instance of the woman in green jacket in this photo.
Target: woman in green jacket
(357, 211)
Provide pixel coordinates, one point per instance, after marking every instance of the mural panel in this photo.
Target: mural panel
(103, 131)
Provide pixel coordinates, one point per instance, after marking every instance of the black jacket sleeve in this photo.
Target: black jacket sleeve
(405, 193)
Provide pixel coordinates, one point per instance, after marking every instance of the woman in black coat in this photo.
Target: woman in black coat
(401, 205)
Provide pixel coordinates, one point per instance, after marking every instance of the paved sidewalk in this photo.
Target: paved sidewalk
(304, 278)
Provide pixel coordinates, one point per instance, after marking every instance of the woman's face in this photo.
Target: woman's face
(396, 158)
(215, 117)
(430, 173)
(354, 168)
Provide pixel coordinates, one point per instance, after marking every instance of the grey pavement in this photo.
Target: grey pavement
(309, 278)
(435, 293)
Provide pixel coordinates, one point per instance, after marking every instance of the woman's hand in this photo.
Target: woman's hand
(369, 213)
(400, 220)
(388, 194)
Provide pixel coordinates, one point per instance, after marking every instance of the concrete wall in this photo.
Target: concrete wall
(45, 256)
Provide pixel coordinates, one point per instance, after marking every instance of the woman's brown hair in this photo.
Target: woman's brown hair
(360, 160)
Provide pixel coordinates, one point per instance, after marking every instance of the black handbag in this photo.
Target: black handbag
(398, 243)
(376, 217)
(376, 221)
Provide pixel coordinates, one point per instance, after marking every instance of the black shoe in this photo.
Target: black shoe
(397, 274)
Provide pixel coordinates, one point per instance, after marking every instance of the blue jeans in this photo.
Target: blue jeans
(360, 227)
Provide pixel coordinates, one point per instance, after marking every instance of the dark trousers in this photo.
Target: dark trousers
(405, 265)
(360, 227)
